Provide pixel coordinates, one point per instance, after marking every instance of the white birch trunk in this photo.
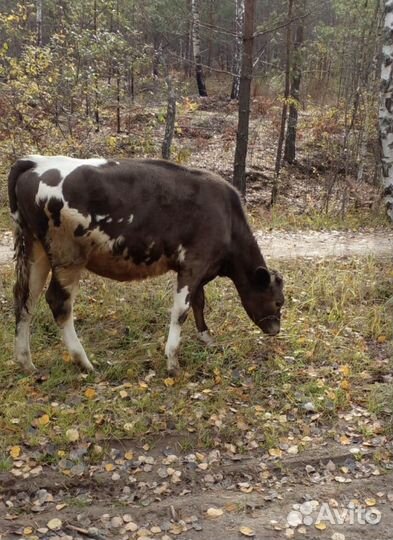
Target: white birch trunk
(386, 108)
(237, 63)
(196, 43)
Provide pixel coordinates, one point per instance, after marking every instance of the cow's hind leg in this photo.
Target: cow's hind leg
(32, 268)
(181, 305)
(60, 297)
(198, 306)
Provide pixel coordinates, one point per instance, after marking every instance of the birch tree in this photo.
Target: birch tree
(239, 174)
(196, 42)
(386, 108)
(237, 62)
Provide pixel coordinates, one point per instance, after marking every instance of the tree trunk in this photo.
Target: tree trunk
(200, 78)
(239, 174)
(170, 118)
(290, 141)
(284, 109)
(237, 62)
(386, 108)
(39, 23)
(210, 36)
(95, 75)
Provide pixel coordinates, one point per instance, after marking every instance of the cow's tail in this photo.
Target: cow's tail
(22, 245)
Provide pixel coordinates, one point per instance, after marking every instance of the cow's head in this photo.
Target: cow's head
(264, 299)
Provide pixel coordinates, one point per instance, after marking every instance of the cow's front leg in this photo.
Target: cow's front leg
(181, 305)
(198, 306)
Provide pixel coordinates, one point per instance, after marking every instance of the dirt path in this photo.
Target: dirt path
(289, 245)
(260, 496)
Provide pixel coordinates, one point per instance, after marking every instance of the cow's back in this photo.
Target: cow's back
(127, 219)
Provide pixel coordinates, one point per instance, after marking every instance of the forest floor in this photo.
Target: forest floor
(289, 437)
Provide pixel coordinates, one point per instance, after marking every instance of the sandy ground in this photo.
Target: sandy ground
(289, 245)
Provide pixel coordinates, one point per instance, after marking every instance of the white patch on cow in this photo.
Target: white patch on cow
(131, 218)
(206, 338)
(108, 220)
(64, 165)
(180, 307)
(100, 217)
(120, 220)
(46, 192)
(181, 254)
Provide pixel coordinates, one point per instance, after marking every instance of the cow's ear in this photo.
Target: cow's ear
(263, 278)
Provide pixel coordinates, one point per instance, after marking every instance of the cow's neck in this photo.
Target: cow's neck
(245, 258)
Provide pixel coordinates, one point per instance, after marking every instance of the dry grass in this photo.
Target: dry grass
(249, 390)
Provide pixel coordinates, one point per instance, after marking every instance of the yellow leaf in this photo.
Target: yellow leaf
(321, 526)
(109, 467)
(371, 502)
(169, 382)
(345, 370)
(90, 393)
(344, 440)
(345, 385)
(54, 524)
(41, 421)
(15, 452)
(143, 385)
(129, 455)
(246, 531)
(67, 358)
(123, 394)
(275, 452)
(382, 339)
(27, 531)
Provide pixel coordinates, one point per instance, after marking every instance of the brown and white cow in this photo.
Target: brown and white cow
(127, 220)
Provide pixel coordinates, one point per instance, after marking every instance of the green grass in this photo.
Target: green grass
(248, 388)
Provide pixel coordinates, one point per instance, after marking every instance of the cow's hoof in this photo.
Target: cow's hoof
(174, 372)
(173, 369)
(26, 365)
(206, 338)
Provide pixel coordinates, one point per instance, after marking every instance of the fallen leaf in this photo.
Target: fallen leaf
(54, 524)
(321, 526)
(72, 435)
(345, 385)
(215, 512)
(169, 382)
(275, 452)
(15, 452)
(371, 502)
(344, 440)
(41, 421)
(90, 393)
(246, 531)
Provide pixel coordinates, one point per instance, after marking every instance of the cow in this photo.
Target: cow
(129, 220)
